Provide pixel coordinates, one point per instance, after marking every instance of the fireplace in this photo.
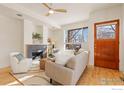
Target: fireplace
(34, 51)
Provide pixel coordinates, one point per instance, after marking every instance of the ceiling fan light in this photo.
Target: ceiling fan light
(51, 11)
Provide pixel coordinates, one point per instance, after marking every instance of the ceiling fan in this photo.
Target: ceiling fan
(53, 10)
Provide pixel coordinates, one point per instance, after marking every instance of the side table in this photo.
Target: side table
(42, 63)
(44, 60)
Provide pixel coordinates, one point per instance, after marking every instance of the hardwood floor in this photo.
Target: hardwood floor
(100, 76)
(91, 76)
(5, 77)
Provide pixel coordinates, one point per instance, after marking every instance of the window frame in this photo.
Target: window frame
(86, 27)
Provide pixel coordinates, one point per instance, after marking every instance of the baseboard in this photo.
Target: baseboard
(90, 65)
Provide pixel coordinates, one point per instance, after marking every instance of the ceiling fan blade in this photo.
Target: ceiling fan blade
(60, 10)
(46, 5)
(47, 14)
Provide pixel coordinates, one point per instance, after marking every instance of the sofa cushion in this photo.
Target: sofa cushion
(71, 63)
(62, 58)
(77, 58)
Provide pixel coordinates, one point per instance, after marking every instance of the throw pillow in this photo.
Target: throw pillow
(62, 58)
(19, 56)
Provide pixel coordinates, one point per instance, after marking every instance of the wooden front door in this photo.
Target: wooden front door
(106, 45)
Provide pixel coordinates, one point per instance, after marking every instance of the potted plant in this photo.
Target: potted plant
(36, 37)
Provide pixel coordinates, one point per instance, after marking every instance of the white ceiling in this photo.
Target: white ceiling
(11, 10)
(76, 11)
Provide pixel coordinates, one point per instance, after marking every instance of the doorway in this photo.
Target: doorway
(106, 44)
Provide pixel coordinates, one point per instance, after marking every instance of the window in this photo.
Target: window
(75, 37)
(106, 31)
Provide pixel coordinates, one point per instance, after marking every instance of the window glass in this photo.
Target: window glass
(75, 37)
(85, 34)
(106, 32)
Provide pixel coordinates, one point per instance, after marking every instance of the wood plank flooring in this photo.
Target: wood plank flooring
(5, 77)
(100, 76)
(91, 76)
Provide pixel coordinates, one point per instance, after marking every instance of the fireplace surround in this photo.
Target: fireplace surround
(32, 51)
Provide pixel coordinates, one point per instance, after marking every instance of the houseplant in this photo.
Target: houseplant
(36, 37)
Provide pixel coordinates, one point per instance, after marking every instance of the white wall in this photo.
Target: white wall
(58, 35)
(122, 41)
(11, 38)
(76, 25)
(45, 34)
(29, 28)
(106, 14)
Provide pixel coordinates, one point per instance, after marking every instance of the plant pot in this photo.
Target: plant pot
(36, 41)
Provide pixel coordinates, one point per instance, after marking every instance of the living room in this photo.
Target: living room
(61, 44)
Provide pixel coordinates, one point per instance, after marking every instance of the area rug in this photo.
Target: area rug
(34, 76)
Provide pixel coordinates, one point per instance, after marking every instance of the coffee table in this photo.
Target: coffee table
(44, 60)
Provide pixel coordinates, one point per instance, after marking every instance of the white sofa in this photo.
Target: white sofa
(69, 73)
(19, 67)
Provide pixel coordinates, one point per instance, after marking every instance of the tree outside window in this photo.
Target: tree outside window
(75, 37)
